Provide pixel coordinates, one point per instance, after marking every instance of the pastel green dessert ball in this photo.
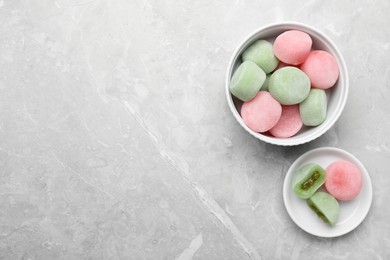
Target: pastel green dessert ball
(266, 82)
(325, 206)
(308, 179)
(314, 108)
(261, 52)
(289, 85)
(247, 81)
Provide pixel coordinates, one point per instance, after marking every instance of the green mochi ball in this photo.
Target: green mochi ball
(307, 179)
(266, 82)
(261, 52)
(325, 206)
(247, 81)
(289, 85)
(314, 108)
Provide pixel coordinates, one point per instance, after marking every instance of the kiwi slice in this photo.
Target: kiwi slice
(325, 206)
(307, 179)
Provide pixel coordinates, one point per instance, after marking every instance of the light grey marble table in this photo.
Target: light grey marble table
(116, 141)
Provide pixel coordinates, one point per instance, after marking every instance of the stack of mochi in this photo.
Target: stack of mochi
(342, 181)
(283, 85)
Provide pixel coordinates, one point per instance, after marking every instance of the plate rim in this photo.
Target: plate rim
(287, 186)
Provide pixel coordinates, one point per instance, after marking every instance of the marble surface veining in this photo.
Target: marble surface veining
(116, 141)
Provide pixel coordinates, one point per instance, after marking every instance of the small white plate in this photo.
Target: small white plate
(352, 212)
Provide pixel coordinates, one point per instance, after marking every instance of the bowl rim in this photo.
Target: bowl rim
(289, 25)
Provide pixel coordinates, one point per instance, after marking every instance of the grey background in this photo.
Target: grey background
(116, 141)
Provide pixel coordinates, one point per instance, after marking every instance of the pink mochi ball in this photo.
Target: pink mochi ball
(292, 47)
(343, 180)
(262, 112)
(321, 68)
(289, 124)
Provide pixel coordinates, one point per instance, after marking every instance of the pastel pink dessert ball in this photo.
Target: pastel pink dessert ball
(262, 112)
(292, 47)
(343, 180)
(321, 68)
(289, 124)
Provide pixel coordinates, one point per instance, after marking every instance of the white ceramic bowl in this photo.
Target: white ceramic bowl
(337, 95)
